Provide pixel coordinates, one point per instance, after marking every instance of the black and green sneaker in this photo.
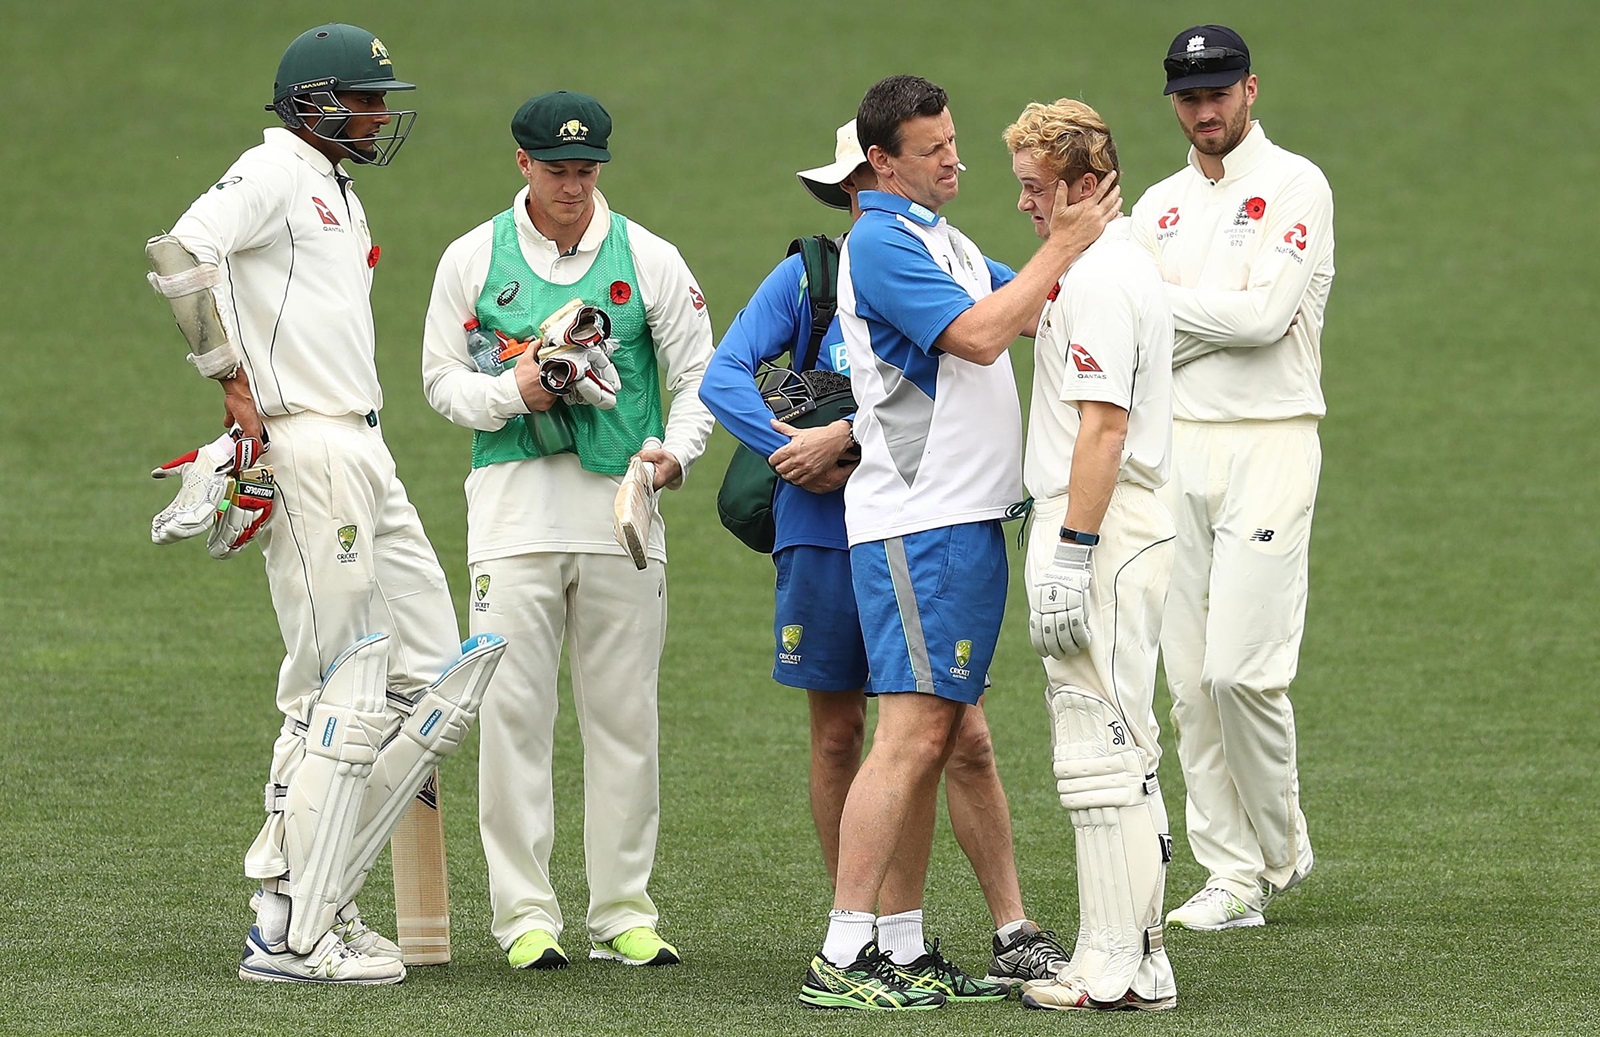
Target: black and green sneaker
(870, 983)
(934, 972)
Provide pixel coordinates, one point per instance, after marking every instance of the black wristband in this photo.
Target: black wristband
(1074, 536)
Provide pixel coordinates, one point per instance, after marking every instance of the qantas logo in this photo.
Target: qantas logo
(328, 219)
(1169, 219)
(1082, 360)
(696, 298)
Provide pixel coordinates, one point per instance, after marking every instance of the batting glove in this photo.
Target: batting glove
(575, 325)
(251, 497)
(1058, 603)
(582, 375)
(206, 473)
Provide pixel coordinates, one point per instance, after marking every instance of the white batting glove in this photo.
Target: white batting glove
(581, 375)
(206, 473)
(1058, 603)
(252, 495)
(575, 325)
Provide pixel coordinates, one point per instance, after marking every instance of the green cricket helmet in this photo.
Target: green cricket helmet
(322, 63)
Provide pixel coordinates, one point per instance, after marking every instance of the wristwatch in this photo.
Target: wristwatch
(1077, 536)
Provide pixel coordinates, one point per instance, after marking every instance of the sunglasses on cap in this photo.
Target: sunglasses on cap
(1200, 62)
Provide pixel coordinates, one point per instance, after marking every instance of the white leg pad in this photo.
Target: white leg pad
(1122, 854)
(343, 733)
(432, 728)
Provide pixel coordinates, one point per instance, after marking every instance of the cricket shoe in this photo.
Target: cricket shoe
(1069, 995)
(356, 934)
(640, 945)
(1033, 953)
(330, 961)
(537, 949)
(933, 971)
(871, 983)
(1214, 908)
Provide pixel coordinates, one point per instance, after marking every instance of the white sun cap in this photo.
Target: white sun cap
(823, 182)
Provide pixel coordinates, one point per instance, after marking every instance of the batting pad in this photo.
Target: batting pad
(1122, 854)
(432, 728)
(343, 733)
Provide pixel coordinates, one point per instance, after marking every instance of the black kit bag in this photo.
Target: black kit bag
(799, 395)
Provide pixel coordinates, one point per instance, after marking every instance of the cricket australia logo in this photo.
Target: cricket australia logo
(790, 640)
(380, 53)
(573, 130)
(963, 657)
(347, 540)
(480, 587)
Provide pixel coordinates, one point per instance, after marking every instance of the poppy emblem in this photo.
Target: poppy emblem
(621, 292)
(373, 255)
(1255, 208)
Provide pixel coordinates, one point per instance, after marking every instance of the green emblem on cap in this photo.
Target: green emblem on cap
(482, 583)
(791, 636)
(347, 537)
(963, 653)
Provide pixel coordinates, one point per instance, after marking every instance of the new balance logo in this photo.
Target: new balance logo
(1082, 360)
(1261, 536)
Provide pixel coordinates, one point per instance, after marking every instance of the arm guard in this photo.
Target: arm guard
(187, 285)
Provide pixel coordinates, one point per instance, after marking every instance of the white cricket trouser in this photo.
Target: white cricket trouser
(1131, 568)
(613, 618)
(337, 483)
(1241, 495)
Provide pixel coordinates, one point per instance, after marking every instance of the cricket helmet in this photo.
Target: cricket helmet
(330, 59)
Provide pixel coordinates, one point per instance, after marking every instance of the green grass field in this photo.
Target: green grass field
(1446, 700)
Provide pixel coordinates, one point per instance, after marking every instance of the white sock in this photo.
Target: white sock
(1006, 933)
(849, 932)
(272, 919)
(901, 936)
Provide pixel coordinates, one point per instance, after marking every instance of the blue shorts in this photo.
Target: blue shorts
(814, 626)
(931, 605)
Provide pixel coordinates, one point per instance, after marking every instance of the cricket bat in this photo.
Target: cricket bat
(635, 506)
(421, 881)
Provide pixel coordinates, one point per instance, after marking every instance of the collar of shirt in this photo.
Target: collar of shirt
(278, 137)
(893, 203)
(593, 235)
(1246, 156)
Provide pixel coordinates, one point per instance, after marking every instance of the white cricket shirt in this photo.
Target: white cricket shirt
(940, 436)
(1242, 256)
(551, 503)
(290, 236)
(1105, 334)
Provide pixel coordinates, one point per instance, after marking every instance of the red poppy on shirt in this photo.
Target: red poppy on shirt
(621, 292)
(372, 256)
(1255, 208)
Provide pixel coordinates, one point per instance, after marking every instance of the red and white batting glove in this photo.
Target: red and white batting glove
(251, 498)
(206, 472)
(581, 375)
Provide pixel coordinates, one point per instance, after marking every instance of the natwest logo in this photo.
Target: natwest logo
(1168, 219)
(1297, 236)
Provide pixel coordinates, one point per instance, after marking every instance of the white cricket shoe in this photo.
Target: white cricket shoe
(1214, 908)
(330, 961)
(356, 934)
(1068, 994)
(361, 937)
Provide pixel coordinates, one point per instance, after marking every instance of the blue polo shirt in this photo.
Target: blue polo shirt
(941, 437)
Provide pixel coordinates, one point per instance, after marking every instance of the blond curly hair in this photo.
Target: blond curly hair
(1067, 136)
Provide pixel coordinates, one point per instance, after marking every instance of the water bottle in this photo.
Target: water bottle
(483, 348)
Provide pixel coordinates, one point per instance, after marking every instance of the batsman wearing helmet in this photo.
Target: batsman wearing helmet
(1099, 560)
(269, 273)
(587, 307)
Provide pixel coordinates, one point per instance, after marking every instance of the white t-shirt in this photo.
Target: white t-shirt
(1242, 256)
(1106, 335)
(551, 503)
(940, 436)
(290, 236)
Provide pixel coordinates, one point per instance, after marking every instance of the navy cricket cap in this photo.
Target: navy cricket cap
(1206, 56)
